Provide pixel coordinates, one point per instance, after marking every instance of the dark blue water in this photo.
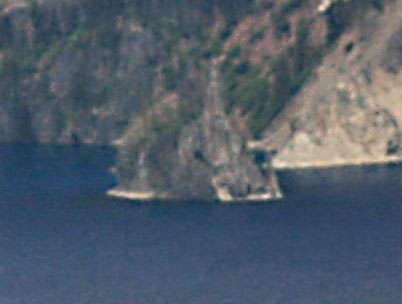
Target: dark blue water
(336, 238)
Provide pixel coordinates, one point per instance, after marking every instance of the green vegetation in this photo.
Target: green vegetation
(279, 16)
(247, 88)
(159, 129)
(233, 10)
(82, 97)
(102, 13)
(14, 71)
(259, 35)
(45, 23)
(173, 75)
(234, 51)
(377, 4)
(58, 120)
(349, 47)
(289, 6)
(339, 18)
(341, 15)
(281, 24)
(180, 34)
(163, 129)
(305, 56)
(226, 33)
(213, 49)
(81, 35)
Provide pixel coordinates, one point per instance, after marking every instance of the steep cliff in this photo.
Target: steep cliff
(204, 98)
(72, 72)
(209, 160)
(349, 112)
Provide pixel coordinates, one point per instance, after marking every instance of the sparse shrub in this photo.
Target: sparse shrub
(281, 24)
(81, 34)
(289, 6)
(242, 68)
(279, 17)
(349, 47)
(213, 49)
(245, 88)
(173, 75)
(259, 35)
(234, 51)
(341, 15)
(248, 89)
(198, 155)
(226, 33)
(378, 4)
(44, 21)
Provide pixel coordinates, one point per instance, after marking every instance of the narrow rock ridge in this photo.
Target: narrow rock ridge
(211, 145)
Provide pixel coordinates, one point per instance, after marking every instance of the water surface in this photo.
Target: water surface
(335, 238)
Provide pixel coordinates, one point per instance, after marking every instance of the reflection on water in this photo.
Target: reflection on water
(336, 238)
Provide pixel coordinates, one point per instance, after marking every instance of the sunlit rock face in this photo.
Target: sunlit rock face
(350, 113)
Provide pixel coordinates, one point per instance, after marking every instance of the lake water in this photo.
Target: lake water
(335, 238)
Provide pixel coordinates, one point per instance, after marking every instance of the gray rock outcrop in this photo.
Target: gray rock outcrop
(211, 160)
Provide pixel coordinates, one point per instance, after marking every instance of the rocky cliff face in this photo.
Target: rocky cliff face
(203, 98)
(214, 142)
(349, 113)
(209, 161)
(67, 76)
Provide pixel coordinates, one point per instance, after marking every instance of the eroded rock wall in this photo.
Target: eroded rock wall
(211, 160)
(350, 111)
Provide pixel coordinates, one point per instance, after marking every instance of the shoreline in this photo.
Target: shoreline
(281, 165)
(132, 195)
(147, 196)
